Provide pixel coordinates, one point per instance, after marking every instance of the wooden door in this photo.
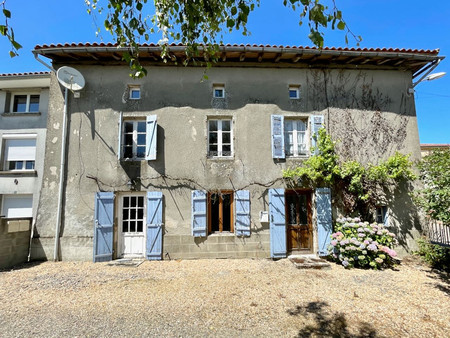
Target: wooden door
(299, 220)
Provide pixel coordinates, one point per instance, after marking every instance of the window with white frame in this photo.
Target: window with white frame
(296, 137)
(220, 138)
(135, 92)
(19, 153)
(382, 214)
(17, 206)
(25, 103)
(134, 139)
(219, 91)
(294, 92)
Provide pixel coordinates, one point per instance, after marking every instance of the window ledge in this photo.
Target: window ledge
(19, 173)
(220, 158)
(222, 234)
(21, 114)
(302, 157)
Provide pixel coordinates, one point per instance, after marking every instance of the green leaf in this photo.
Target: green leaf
(16, 45)
(3, 29)
(12, 54)
(139, 6)
(341, 25)
(233, 10)
(6, 13)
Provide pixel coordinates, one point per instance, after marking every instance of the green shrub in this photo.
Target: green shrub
(436, 256)
(362, 245)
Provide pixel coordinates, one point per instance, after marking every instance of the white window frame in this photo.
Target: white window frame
(219, 87)
(134, 88)
(219, 137)
(27, 108)
(296, 89)
(5, 162)
(383, 212)
(295, 136)
(135, 138)
(27, 211)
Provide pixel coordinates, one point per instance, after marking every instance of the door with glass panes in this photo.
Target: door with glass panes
(131, 239)
(299, 221)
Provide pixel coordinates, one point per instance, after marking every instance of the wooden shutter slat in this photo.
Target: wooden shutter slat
(103, 226)
(198, 215)
(324, 219)
(242, 220)
(277, 133)
(277, 214)
(154, 225)
(151, 138)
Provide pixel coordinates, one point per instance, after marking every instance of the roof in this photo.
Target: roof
(434, 145)
(26, 74)
(387, 58)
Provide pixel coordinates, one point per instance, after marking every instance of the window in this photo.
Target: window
(382, 215)
(220, 212)
(219, 91)
(294, 91)
(220, 138)
(20, 153)
(17, 206)
(135, 92)
(25, 103)
(295, 137)
(134, 138)
(133, 214)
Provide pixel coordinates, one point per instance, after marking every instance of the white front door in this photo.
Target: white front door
(132, 226)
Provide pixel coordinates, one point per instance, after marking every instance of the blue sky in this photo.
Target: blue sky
(382, 23)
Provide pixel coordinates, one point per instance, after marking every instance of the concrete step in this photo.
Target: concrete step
(309, 262)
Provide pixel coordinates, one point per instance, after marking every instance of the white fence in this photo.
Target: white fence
(438, 232)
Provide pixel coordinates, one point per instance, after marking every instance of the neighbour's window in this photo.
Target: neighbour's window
(219, 91)
(220, 218)
(25, 103)
(294, 92)
(220, 138)
(20, 154)
(135, 92)
(17, 206)
(296, 137)
(134, 138)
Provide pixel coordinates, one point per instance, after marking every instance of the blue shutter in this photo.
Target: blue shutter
(119, 148)
(277, 131)
(150, 142)
(242, 202)
(154, 225)
(103, 226)
(316, 124)
(324, 219)
(277, 216)
(198, 218)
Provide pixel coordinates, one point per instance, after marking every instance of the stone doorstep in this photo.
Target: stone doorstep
(309, 261)
(127, 262)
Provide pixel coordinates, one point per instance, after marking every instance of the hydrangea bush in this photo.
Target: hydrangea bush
(360, 244)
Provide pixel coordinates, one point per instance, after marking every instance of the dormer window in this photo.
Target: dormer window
(135, 92)
(219, 91)
(294, 92)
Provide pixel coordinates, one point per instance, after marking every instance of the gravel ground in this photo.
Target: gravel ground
(227, 298)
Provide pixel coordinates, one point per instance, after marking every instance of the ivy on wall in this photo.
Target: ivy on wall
(354, 184)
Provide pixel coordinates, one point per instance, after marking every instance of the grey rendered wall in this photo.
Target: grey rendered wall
(368, 111)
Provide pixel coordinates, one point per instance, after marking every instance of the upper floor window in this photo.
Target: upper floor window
(134, 139)
(294, 91)
(20, 154)
(220, 138)
(17, 206)
(25, 103)
(295, 137)
(135, 92)
(219, 91)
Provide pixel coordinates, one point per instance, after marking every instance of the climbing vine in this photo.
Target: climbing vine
(353, 183)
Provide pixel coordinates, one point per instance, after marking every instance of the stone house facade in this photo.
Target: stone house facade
(174, 165)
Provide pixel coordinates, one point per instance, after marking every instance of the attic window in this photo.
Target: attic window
(294, 92)
(135, 92)
(219, 91)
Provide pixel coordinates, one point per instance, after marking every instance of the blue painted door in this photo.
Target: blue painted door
(154, 225)
(324, 219)
(103, 226)
(277, 215)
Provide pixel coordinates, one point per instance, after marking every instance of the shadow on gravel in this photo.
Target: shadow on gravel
(22, 266)
(442, 280)
(328, 324)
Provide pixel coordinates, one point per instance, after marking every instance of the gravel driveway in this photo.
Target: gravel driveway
(227, 298)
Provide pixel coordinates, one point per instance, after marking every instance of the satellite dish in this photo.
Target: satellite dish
(70, 78)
